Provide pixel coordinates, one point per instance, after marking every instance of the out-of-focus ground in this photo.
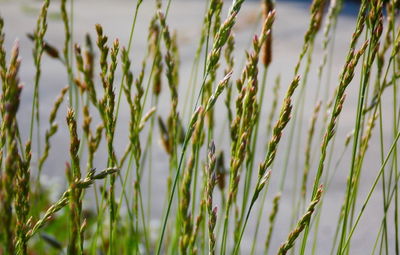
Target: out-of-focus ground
(186, 16)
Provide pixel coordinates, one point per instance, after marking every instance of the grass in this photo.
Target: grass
(218, 193)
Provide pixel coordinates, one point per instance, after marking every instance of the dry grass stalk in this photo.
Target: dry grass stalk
(267, 6)
(185, 194)
(75, 201)
(301, 224)
(274, 105)
(332, 15)
(374, 22)
(172, 64)
(90, 178)
(230, 61)
(93, 139)
(344, 80)
(263, 173)
(212, 211)
(272, 219)
(316, 11)
(53, 126)
(284, 117)
(10, 100)
(307, 159)
(3, 64)
(154, 50)
(106, 106)
(67, 40)
(84, 63)
(38, 37)
(243, 123)
(347, 76)
(134, 104)
(22, 200)
(222, 36)
(214, 8)
(214, 12)
(217, 16)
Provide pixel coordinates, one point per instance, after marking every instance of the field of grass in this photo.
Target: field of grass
(219, 153)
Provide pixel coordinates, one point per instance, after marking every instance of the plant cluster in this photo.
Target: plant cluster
(213, 189)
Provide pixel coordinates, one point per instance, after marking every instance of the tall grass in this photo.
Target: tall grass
(214, 202)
